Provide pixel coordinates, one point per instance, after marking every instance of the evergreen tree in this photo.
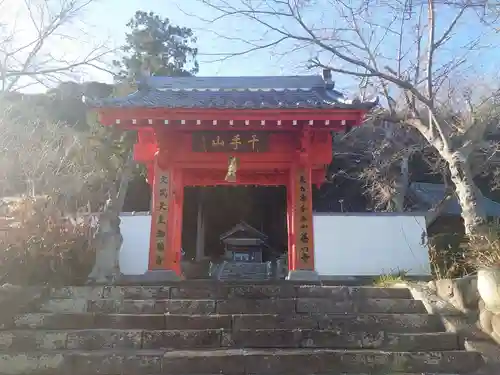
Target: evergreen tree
(157, 45)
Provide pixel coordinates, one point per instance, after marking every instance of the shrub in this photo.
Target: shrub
(448, 256)
(484, 249)
(41, 246)
(60, 170)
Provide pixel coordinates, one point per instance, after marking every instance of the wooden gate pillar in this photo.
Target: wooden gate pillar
(290, 218)
(301, 244)
(175, 255)
(164, 254)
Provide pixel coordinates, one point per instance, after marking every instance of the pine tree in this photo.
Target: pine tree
(153, 42)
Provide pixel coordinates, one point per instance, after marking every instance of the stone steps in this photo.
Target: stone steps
(244, 271)
(238, 361)
(95, 339)
(230, 328)
(409, 323)
(228, 290)
(234, 306)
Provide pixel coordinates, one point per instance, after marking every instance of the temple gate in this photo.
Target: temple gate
(210, 131)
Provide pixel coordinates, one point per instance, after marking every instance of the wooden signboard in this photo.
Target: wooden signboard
(160, 216)
(303, 220)
(230, 141)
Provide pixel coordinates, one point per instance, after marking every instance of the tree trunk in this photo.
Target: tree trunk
(468, 194)
(402, 183)
(125, 178)
(108, 239)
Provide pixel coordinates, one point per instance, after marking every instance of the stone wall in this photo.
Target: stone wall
(461, 310)
(463, 294)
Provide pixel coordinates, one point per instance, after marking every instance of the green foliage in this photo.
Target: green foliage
(165, 49)
(62, 104)
(391, 279)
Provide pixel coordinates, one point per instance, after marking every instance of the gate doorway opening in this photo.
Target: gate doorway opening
(209, 212)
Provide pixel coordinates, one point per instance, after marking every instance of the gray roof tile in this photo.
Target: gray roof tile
(431, 194)
(266, 82)
(234, 93)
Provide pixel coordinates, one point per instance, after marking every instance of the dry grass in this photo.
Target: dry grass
(484, 250)
(448, 263)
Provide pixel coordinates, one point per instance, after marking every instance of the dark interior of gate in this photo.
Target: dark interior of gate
(224, 207)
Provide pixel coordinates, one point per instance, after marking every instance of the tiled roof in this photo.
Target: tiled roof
(432, 194)
(234, 93)
(244, 227)
(234, 83)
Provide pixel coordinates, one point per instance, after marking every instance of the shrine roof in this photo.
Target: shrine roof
(280, 92)
(430, 195)
(244, 227)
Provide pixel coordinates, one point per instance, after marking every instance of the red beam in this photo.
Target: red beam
(217, 177)
(236, 125)
(108, 116)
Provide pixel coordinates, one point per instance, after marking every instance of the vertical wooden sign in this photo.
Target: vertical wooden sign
(161, 201)
(303, 222)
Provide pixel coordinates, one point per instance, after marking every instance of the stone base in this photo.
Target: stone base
(462, 292)
(303, 275)
(150, 277)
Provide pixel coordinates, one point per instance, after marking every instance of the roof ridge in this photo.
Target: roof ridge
(243, 82)
(237, 89)
(237, 77)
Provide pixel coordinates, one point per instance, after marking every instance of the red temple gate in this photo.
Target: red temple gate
(265, 131)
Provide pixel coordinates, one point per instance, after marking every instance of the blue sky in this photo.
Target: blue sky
(106, 20)
(110, 16)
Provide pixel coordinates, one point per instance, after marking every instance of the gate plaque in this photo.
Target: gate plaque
(230, 141)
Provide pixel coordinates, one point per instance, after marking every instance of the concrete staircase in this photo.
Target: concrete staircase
(205, 327)
(244, 271)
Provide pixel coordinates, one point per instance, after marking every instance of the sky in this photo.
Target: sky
(105, 20)
(110, 16)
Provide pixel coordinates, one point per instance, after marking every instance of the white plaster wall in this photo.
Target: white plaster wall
(370, 244)
(135, 230)
(345, 244)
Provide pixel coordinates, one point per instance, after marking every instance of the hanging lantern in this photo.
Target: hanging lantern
(232, 169)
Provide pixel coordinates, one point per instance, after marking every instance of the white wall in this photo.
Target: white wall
(363, 244)
(370, 244)
(134, 253)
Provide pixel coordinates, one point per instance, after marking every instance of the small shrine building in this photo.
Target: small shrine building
(238, 131)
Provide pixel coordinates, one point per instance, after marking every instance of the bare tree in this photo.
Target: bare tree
(380, 154)
(408, 50)
(52, 174)
(383, 151)
(44, 158)
(45, 41)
